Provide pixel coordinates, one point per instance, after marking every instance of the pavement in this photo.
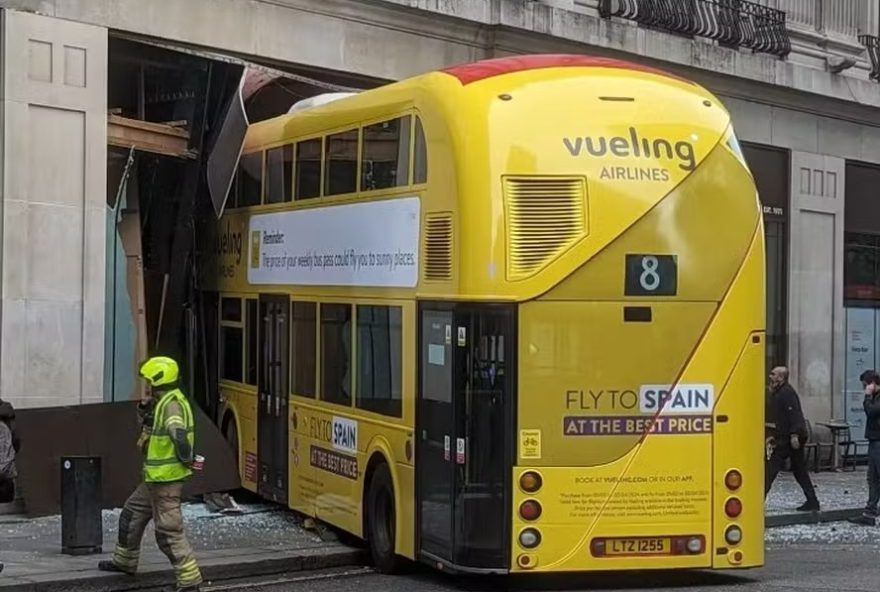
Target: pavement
(262, 541)
(841, 495)
(268, 542)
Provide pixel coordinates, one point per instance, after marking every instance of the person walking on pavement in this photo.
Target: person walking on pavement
(790, 435)
(167, 438)
(871, 404)
(9, 447)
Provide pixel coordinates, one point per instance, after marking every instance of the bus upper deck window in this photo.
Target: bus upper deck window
(307, 178)
(420, 158)
(341, 157)
(279, 174)
(250, 180)
(385, 158)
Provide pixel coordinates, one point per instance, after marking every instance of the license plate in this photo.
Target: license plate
(640, 546)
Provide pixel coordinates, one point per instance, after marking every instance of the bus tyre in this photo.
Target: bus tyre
(231, 433)
(381, 521)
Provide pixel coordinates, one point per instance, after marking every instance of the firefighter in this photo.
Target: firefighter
(166, 440)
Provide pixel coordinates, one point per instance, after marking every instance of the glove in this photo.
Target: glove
(144, 439)
(795, 442)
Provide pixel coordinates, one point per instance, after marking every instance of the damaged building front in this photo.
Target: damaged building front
(109, 174)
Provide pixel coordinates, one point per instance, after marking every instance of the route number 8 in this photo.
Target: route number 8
(649, 279)
(650, 275)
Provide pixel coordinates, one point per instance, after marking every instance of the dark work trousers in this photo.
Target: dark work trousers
(873, 477)
(782, 451)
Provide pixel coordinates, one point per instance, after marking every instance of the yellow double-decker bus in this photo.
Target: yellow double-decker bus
(504, 317)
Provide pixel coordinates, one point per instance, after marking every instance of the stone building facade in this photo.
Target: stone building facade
(799, 77)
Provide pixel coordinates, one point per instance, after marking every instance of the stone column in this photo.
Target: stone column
(52, 249)
(816, 315)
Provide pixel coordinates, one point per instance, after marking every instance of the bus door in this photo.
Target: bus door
(464, 413)
(273, 404)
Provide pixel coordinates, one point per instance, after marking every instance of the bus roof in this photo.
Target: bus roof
(476, 71)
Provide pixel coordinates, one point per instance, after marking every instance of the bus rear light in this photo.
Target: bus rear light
(530, 482)
(733, 507)
(530, 538)
(733, 480)
(733, 535)
(526, 561)
(530, 510)
(695, 545)
(597, 547)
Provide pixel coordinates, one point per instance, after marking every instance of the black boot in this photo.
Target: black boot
(809, 506)
(863, 520)
(112, 567)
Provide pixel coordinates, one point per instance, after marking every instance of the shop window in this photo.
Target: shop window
(420, 158)
(770, 169)
(385, 162)
(861, 264)
(379, 359)
(336, 353)
(341, 158)
(252, 329)
(307, 180)
(302, 352)
(249, 180)
(861, 268)
(279, 174)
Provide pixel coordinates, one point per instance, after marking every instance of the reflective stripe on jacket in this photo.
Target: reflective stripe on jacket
(164, 464)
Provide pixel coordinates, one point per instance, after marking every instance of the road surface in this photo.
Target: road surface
(792, 568)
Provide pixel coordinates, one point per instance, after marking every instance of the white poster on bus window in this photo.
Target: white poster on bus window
(860, 356)
(372, 244)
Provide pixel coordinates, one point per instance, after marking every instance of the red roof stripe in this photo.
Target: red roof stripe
(476, 71)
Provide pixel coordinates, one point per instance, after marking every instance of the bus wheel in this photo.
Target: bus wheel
(231, 433)
(381, 522)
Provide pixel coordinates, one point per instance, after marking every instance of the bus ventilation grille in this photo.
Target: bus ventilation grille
(438, 247)
(545, 217)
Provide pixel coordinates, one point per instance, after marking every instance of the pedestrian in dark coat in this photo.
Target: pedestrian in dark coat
(790, 435)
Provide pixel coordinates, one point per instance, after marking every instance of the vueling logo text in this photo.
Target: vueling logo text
(634, 147)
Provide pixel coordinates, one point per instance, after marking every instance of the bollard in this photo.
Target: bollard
(82, 530)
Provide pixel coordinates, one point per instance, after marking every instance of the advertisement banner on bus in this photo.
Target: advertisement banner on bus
(373, 244)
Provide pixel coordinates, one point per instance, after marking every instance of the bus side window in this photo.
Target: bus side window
(279, 173)
(251, 328)
(385, 158)
(231, 340)
(341, 161)
(336, 353)
(307, 164)
(420, 158)
(379, 373)
(250, 180)
(303, 342)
